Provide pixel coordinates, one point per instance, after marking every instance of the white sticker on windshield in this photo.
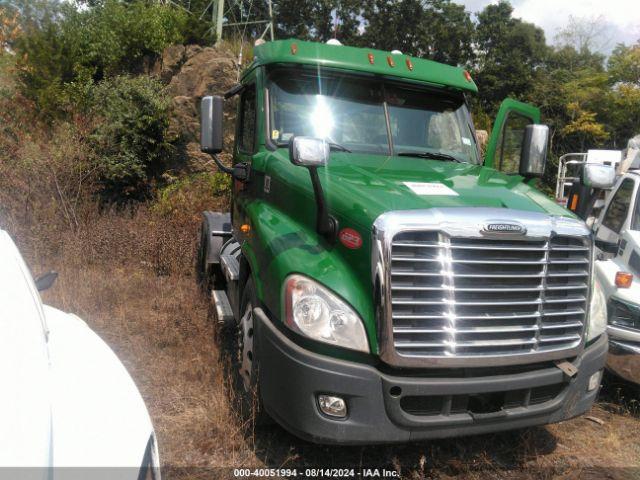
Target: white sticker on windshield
(466, 141)
(420, 188)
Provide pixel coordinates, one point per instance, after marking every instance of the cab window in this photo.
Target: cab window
(510, 144)
(247, 124)
(619, 206)
(635, 220)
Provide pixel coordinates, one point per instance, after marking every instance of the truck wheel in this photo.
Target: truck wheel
(248, 360)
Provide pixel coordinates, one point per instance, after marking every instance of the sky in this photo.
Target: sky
(620, 17)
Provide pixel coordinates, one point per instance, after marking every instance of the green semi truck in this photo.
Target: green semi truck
(388, 283)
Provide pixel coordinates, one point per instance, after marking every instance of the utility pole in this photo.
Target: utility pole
(217, 15)
(218, 12)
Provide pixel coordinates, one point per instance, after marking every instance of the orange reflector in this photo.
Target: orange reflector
(467, 75)
(390, 61)
(370, 58)
(409, 64)
(245, 228)
(294, 48)
(623, 279)
(574, 203)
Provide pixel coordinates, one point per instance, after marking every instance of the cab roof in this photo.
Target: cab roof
(365, 60)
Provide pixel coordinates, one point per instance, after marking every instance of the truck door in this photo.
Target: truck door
(507, 136)
(244, 148)
(616, 219)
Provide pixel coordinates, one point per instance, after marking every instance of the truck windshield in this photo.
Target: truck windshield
(367, 115)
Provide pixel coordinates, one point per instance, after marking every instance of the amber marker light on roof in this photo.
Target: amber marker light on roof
(370, 56)
(623, 279)
(294, 48)
(467, 75)
(390, 61)
(409, 64)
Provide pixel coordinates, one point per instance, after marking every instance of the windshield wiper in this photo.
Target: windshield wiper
(337, 146)
(332, 146)
(430, 156)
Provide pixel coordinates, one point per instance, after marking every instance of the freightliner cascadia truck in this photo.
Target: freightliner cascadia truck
(387, 283)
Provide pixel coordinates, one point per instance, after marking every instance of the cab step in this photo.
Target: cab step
(224, 312)
(230, 267)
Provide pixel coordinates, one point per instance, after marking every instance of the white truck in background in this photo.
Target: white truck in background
(603, 187)
(69, 409)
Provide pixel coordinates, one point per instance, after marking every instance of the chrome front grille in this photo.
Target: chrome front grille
(458, 296)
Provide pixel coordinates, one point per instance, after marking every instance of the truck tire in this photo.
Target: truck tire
(247, 360)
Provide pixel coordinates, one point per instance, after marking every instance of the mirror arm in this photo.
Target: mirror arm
(326, 225)
(221, 166)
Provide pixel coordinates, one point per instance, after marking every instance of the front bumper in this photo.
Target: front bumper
(292, 377)
(624, 353)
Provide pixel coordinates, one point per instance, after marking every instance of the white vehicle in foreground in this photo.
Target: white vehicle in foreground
(67, 401)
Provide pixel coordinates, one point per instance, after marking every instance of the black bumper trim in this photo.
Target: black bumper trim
(291, 378)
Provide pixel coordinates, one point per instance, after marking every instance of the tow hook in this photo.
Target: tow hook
(568, 368)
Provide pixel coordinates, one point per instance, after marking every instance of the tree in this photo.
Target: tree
(584, 127)
(624, 64)
(439, 30)
(509, 53)
(83, 46)
(131, 137)
(568, 59)
(584, 34)
(318, 20)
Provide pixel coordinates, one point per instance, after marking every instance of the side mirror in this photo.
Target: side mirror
(595, 175)
(46, 281)
(308, 151)
(312, 153)
(534, 150)
(211, 124)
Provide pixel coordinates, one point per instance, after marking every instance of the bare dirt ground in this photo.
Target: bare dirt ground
(161, 327)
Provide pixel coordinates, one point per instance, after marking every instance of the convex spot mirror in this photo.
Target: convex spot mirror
(596, 175)
(534, 150)
(308, 151)
(211, 109)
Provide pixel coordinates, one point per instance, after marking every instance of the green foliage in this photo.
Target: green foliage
(623, 114)
(624, 64)
(74, 46)
(131, 136)
(509, 53)
(183, 194)
(436, 29)
(584, 126)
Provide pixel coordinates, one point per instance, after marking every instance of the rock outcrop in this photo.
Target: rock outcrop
(190, 73)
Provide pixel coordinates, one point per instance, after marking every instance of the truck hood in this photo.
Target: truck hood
(362, 187)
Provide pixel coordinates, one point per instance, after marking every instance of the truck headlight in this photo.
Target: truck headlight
(597, 312)
(317, 313)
